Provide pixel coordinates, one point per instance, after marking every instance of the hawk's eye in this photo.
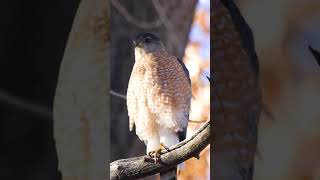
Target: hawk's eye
(147, 40)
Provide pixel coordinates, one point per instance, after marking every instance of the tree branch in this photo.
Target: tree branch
(173, 34)
(138, 167)
(119, 95)
(141, 24)
(22, 104)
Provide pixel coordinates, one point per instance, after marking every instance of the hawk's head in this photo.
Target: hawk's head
(147, 43)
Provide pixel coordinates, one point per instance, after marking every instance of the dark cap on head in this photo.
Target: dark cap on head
(145, 38)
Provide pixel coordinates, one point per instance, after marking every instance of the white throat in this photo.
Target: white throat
(139, 53)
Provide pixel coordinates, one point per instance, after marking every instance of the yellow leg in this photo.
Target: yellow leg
(157, 153)
(162, 146)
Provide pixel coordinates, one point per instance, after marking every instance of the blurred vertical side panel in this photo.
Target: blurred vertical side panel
(236, 93)
(81, 106)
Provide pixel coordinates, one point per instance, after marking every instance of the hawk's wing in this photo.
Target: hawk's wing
(168, 91)
(183, 134)
(186, 72)
(131, 98)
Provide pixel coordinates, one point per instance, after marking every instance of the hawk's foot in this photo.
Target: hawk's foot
(157, 153)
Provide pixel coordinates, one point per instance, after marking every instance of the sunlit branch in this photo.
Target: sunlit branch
(138, 167)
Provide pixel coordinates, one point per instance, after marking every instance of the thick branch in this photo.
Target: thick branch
(138, 167)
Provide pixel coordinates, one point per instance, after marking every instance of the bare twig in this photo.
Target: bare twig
(138, 167)
(174, 38)
(119, 95)
(141, 24)
(195, 121)
(22, 104)
(208, 78)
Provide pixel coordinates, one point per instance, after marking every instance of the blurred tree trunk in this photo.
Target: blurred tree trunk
(173, 31)
(80, 105)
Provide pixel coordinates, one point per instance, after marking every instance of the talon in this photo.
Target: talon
(148, 159)
(162, 146)
(151, 153)
(157, 153)
(154, 155)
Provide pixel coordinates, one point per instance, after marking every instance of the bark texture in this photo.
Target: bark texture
(142, 166)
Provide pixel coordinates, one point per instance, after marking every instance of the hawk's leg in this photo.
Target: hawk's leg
(157, 153)
(162, 147)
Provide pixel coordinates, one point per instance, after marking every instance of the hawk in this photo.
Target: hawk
(158, 97)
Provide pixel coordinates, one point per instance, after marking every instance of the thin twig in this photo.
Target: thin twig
(138, 167)
(119, 95)
(141, 24)
(22, 104)
(195, 121)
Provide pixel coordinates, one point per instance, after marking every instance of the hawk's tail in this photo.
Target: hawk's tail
(170, 174)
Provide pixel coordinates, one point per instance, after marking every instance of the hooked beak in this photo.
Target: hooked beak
(136, 43)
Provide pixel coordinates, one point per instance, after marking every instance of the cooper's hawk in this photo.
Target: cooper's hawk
(236, 96)
(158, 96)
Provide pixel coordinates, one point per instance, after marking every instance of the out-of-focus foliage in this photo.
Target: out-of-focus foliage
(289, 146)
(197, 60)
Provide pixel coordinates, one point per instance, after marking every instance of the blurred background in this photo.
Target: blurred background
(32, 40)
(289, 145)
(184, 27)
(33, 37)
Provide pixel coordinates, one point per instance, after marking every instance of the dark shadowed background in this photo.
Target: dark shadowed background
(33, 35)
